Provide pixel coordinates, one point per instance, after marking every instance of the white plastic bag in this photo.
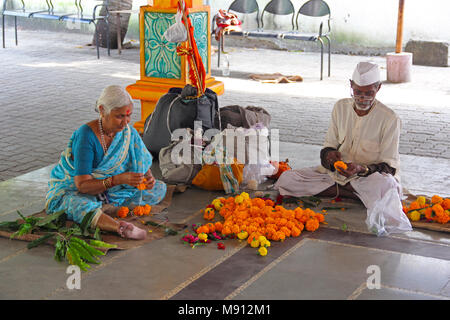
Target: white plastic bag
(176, 32)
(386, 216)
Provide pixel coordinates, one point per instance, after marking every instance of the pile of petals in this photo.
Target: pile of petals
(207, 233)
(259, 220)
(435, 209)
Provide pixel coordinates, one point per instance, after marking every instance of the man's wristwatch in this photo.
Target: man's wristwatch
(365, 173)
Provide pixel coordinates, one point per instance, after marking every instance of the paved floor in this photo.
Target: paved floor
(49, 85)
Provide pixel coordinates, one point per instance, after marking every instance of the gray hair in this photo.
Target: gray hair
(113, 97)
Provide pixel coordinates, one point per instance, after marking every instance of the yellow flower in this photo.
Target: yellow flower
(245, 195)
(217, 204)
(242, 235)
(415, 215)
(421, 200)
(265, 244)
(203, 236)
(254, 244)
(239, 199)
(262, 251)
(261, 239)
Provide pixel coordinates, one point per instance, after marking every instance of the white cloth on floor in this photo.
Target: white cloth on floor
(379, 192)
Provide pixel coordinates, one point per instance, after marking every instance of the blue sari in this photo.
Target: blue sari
(127, 153)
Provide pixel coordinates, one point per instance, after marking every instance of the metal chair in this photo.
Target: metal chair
(318, 8)
(279, 7)
(50, 14)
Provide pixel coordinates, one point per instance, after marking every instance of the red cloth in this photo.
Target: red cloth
(226, 21)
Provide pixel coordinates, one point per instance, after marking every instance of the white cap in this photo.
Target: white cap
(366, 73)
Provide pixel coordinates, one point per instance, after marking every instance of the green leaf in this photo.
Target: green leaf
(97, 234)
(9, 225)
(39, 241)
(50, 218)
(86, 223)
(344, 227)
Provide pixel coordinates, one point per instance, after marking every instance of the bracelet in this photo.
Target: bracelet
(107, 183)
(365, 173)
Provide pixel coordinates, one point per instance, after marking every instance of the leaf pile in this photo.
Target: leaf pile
(68, 244)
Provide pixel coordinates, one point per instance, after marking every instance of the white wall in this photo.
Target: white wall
(374, 22)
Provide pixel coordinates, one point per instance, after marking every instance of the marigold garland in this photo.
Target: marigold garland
(436, 209)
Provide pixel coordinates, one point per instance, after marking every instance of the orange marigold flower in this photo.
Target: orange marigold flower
(436, 199)
(312, 225)
(429, 214)
(281, 235)
(340, 164)
(295, 232)
(414, 206)
(142, 186)
(319, 217)
(444, 217)
(138, 211)
(123, 212)
(211, 227)
(446, 204)
(226, 230)
(147, 209)
(218, 225)
(438, 210)
(269, 203)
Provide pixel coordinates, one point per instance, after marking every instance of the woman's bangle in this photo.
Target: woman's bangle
(107, 183)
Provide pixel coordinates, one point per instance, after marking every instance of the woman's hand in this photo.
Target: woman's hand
(131, 178)
(150, 180)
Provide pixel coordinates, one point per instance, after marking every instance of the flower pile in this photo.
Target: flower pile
(257, 220)
(435, 209)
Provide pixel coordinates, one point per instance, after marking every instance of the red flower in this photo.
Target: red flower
(221, 246)
(279, 200)
(338, 199)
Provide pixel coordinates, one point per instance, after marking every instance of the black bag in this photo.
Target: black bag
(176, 109)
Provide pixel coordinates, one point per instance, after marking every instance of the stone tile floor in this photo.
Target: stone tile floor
(49, 84)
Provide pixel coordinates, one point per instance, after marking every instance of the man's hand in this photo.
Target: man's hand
(331, 157)
(352, 169)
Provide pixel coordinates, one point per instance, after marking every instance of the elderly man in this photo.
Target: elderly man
(364, 134)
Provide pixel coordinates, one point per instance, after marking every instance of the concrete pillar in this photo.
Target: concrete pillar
(398, 67)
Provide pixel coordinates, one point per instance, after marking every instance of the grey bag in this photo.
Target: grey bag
(176, 110)
(177, 172)
(238, 116)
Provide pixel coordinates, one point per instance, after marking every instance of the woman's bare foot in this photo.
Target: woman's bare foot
(130, 231)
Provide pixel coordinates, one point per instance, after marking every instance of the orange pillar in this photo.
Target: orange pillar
(161, 67)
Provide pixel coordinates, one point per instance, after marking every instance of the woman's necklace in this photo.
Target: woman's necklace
(102, 135)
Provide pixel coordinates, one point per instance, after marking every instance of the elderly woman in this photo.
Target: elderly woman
(104, 162)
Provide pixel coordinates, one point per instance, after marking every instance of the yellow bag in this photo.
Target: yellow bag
(209, 176)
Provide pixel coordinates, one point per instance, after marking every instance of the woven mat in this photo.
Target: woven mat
(153, 232)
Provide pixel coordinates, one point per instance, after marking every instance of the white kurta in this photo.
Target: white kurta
(373, 138)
